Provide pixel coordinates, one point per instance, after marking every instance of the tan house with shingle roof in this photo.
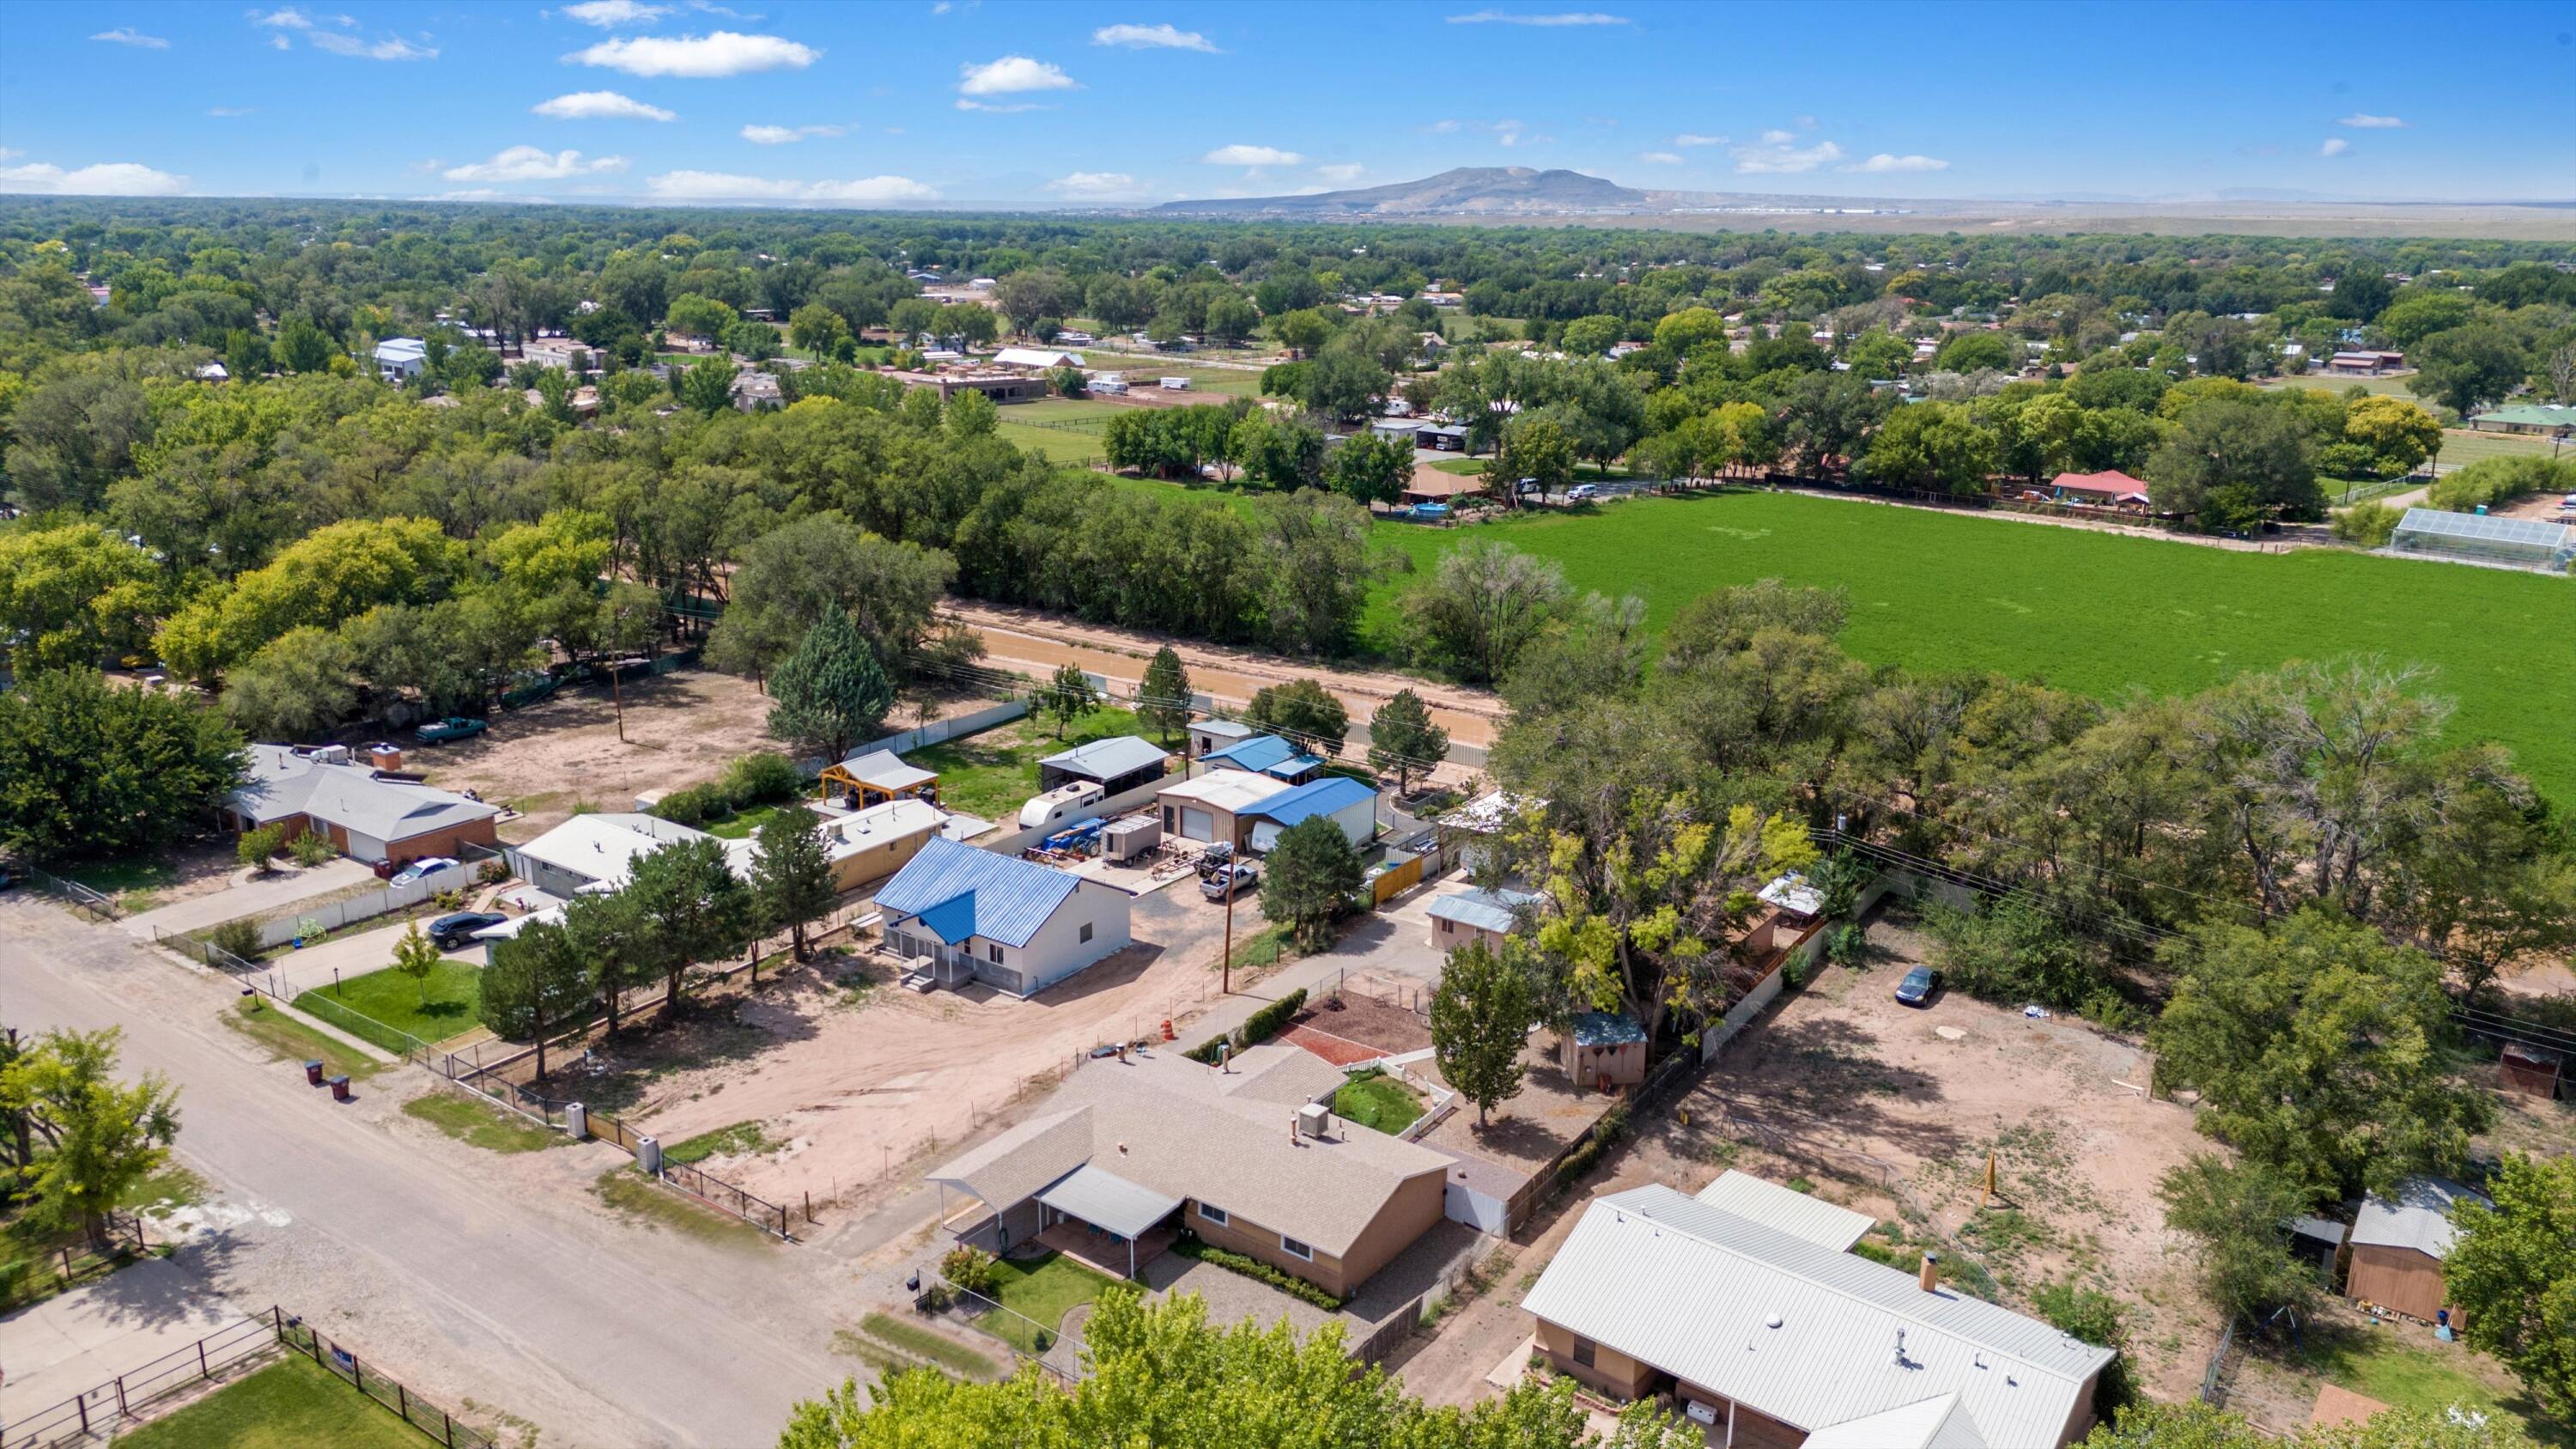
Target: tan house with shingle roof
(1141, 1148)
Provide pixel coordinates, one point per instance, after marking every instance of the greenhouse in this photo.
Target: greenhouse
(2525, 543)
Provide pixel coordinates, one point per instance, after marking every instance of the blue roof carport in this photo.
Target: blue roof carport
(1110, 1203)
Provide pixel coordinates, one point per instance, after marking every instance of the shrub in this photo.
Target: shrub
(2011, 950)
(2492, 481)
(763, 778)
(1264, 1024)
(2094, 1317)
(2112, 1012)
(240, 938)
(1605, 1135)
(311, 848)
(1848, 945)
(694, 806)
(493, 871)
(257, 847)
(971, 1269)
(2366, 524)
(1192, 1246)
(1207, 1051)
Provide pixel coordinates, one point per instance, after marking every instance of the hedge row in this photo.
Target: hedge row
(1191, 1245)
(764, 778)
(1259, 1027)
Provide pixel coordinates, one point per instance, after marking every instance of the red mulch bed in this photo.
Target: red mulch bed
(1334, 1049)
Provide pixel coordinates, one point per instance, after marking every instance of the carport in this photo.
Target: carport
(1079, 1208)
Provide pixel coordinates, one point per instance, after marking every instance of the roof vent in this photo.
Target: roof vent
(1774, 1321)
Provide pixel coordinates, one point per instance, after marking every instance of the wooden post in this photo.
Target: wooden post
(617, 691)
(447, 1428)
(1990, 1181)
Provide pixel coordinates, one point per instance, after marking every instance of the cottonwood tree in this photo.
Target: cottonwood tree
(792, 874)
(2238, 1214)
(91, 771)
(1307, 713)
(1402, 738)
(1481, 605)
(696, 910)
(1069, 695)
(831, 694)
(1481, 1014)
(100, 1137)
(1163, 696)
(297, 686)
(1311, 874)
(2512, 1271)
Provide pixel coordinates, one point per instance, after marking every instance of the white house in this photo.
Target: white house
(595, 854)
(1010, 923)
(1036, 359)
(400, 359)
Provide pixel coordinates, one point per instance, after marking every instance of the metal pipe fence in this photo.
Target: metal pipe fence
(105, 1409)
(90, 904)
(389, 1393)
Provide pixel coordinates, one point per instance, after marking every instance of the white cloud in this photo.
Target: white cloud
(606, 13)
(600, 106)
(1779, 156)
(1341, 171)
(533, 163)
(111, 178)
(128, 35)
(289, 18)
(1688, 138)
(1152, 37)
(280, 42)
(1240, 155)
(391, 48)
(1012, 75)
(1883, 161)
(717, 53)
(1442, 128)
(1500, 17)
(2364, 121)
(1097, 186)
(718, 186)
(230, 110)
(1660, 158)
(2334, 146)
(787, 135)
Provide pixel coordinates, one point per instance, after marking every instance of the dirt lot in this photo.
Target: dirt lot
(850, 1077)
(681, 729)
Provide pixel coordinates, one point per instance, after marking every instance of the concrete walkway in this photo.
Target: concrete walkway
(352, 957)
(260, 896)
(67, 1345)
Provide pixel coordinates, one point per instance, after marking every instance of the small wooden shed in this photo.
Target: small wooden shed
(1604, 1048)
(2530, 1069)
(2398, 1244)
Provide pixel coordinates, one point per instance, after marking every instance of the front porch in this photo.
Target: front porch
(1096, 1247)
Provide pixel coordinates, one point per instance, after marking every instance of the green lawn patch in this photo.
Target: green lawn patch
(1056, 445)
(128, 878)
(920, 1342)
(2098, 613)
(640, 1199)
(1463, 467)
(1039, 1291)
(1378, 1101)
(289, 1040)
(740, 824)
(990, 774)
(453, 1000)
(476, 1125)
(2379, 1363)
(1066, 410)
(2461, 447)
(722, 1142)
(291, 1404)
(164, 1192)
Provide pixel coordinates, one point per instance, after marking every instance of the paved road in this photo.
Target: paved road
(470, 1275)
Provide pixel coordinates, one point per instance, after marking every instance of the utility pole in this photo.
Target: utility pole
(1233, 873)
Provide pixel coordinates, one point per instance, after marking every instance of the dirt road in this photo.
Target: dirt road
(474, 1277)
(1033, 640)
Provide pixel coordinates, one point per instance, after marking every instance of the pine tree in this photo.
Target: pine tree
(792, 874)
(831, 693)
(1163, 699)
(1480, 1020)
(694, 909)
(534, 981)
(1403, 738)
(1313, 872)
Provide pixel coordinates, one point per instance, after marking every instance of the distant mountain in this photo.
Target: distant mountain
(1466, 191)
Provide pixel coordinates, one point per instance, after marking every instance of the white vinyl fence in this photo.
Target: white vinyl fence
(278, 930)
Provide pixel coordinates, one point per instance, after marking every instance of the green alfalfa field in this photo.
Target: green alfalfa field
(2103, 613)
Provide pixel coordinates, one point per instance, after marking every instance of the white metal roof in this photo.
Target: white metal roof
(1791, 892)
(1227, 790)
(1934, 1423)
(1798, 1331)
(1108, 759)
(2417, 1215)
(1495, 910)
(885, 770)
(1105, 1200)
(604, 848)
(1828, 1225)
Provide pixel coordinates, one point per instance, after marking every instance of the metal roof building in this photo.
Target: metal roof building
(1497, 911)
(1737, 1316)
(1117, 764)
(2527, 543)
(1266, 755)
(1350, 803)
(1011, 923)
(2417, 1215)
(1828, 1225)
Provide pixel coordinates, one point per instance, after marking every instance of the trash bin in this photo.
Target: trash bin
(313, 1073)
(340, 1088)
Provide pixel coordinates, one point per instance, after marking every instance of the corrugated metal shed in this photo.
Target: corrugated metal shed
(1009, 898)
(1495, 910)
(2417, 1215)
(1606, 1029)
(1807, 1335)
(1263, 754)
(885, 770)
(1828, 1225)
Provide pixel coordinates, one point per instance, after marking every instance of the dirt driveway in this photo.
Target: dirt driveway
(850, 1077)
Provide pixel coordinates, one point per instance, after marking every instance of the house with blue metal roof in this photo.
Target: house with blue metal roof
(1351, 803)
(1266, 755)
(1013, 924)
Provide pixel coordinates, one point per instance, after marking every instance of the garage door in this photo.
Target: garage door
(1197, 824)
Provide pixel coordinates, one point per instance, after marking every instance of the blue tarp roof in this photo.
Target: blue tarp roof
(1326, 796)
(958, 891)
(1606, 1028)
(1265, 754)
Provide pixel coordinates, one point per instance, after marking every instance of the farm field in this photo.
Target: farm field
(1056, 445)
(2099, 613)
(2461, 447)
(1065, 410)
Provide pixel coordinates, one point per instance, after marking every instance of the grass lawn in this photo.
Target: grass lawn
(2461, 447)
(921, 1342)
(289, 1040)
(1056, 445)
(1066, 410)
(2386, 1367)
(990, 774)
(290, 1404)
(2400, 387)
(450, 1003)
(741, 824)
(1378, 1101)
(494, 1129)
(642, 1200)
(2099, 613)
(740, 1137)
(1463, 467)
(125, 878)
(1041, 1289)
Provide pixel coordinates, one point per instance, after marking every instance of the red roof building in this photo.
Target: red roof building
(2110, 487)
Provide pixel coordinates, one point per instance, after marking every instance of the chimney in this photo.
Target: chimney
(1931, 1277)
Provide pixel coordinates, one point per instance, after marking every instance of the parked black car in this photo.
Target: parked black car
(1917, 987)
(449, 932)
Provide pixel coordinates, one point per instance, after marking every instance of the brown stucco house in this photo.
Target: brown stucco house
(1137, 1149)
(1747, 1307)
(370, 814)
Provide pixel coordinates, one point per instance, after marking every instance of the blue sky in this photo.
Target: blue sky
(991, 101)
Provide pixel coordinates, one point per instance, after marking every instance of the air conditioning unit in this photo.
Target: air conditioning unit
(1314, 1119)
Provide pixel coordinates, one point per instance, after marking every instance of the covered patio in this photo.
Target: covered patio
(1105, 1220)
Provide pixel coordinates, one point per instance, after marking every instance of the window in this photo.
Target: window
(1295, 1249)
(993, 954)
(1215, 1215)
(1583, 1351)
(1086, 930)
(1170, 822)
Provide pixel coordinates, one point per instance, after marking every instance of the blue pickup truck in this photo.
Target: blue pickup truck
(454, 727)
